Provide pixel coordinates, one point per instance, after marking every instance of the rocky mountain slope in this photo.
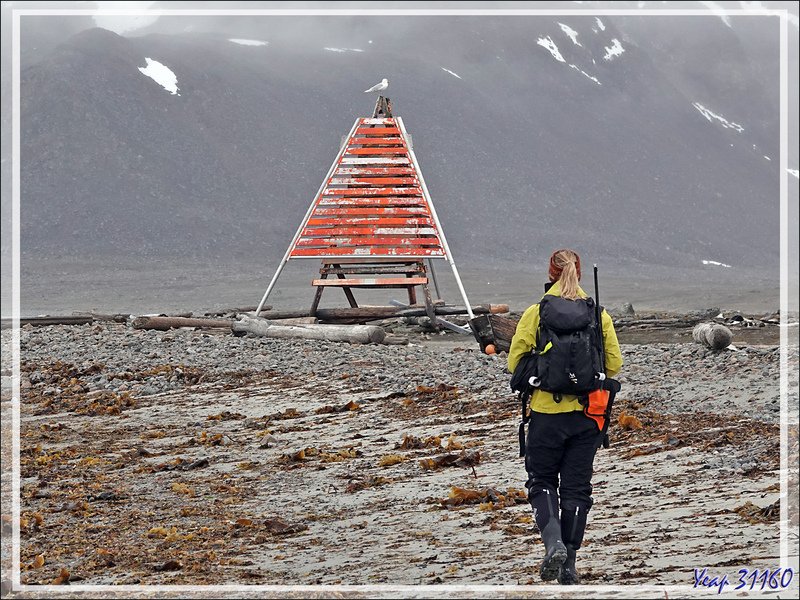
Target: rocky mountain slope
(614, 135)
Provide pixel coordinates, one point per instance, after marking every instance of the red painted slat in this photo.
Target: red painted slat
(337, 231)
(369, 210)
(360, 252)
(377, 131)
(335, 201)
(371, 281)
(346, 260)
(385, 191)
(384, 181)
(371, 140)
(372, 221)
(383, 151)
(373, 171)
(369, 241)
(375, 142)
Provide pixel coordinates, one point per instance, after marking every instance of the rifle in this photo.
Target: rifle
(610, 385)
(521, 383)
(599, 319)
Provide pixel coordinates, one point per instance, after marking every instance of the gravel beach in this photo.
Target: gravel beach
(196, 458)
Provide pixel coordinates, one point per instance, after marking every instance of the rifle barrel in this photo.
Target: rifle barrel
(599, 319)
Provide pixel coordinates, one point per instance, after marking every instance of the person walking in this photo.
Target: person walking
(562, 441)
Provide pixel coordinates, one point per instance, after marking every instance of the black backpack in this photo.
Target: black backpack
(567, 358)
(568, 355)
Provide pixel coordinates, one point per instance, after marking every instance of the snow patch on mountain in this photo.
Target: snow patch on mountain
(714, 117)
(573, 35)
(550, 45)
(715, 263)
(615, 50)
(162, 75)
(247, 42)
(585, 73)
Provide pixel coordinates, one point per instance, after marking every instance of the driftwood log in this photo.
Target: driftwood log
(232, 311)
(42, 321)
(166, 323)
(355, 334)
(677, 322)
(297, 321)
(117, 318)
(713, 335)
(376, 313)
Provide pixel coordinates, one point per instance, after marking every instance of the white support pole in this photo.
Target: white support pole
(435, 218)
(305, 219)
(435, 282)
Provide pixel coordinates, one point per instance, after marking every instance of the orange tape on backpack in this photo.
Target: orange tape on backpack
(598, 403)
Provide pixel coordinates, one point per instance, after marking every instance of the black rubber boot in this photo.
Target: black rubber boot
(555, 552)
(568, 574)
(573, 524)
(545, 512)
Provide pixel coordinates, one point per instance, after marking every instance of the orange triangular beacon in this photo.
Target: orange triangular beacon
(372, 221)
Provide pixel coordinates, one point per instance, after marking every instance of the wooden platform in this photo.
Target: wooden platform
(405, 273)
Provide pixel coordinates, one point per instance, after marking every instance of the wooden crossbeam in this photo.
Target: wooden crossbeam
(383, 191)
(381, 201)
(374, 171)
(370, 241)
(381, 181)
(377, 131)
(370, 269)
(399, 260)
(379, 251)
(375, 231)
(375, 160)
(366, 151)
(372, 221)
(376, 281)
(370, 210)
(371, 140)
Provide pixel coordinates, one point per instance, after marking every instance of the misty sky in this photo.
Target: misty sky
(122, 23)
(170, 80)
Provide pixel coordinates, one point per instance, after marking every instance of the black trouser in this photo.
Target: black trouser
(561, 444)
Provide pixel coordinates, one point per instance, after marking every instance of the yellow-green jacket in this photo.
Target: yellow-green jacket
(525, 340)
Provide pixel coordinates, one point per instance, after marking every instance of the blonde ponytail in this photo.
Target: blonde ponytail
(565, 266)
(569, 282)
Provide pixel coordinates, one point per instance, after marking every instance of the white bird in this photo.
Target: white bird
(378, 87)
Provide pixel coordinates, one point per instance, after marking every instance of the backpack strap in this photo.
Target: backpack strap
(524, 398)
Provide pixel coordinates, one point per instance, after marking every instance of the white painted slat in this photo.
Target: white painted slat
(422, 231)
(376, 180)
(377, 121)
(375, 171)
(389, 160)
